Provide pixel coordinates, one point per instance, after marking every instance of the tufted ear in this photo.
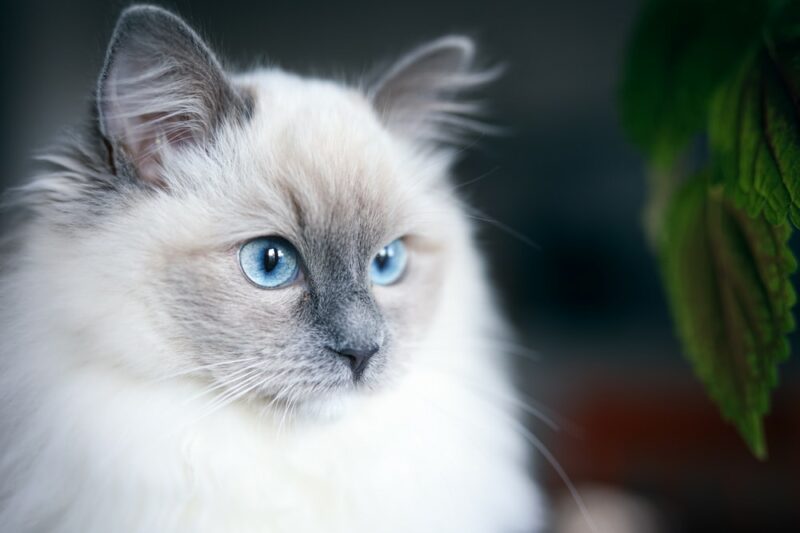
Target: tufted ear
(161, 87)
(418, 96)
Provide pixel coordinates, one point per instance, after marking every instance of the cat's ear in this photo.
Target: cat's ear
(418, 97)
(161, 87)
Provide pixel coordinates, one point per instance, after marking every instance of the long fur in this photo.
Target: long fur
(145, 386)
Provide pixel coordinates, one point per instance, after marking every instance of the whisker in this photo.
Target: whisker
(286, 407)
(502, 347)
(231, 380)
(200, 368)
(473, 180)
(475, 214)
(542, 449)
(230, 395)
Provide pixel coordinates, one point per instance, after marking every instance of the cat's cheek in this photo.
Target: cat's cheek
(410, 306)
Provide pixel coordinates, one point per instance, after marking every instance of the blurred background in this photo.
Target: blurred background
(564, 190)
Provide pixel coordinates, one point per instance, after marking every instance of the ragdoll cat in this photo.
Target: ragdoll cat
(252, 303)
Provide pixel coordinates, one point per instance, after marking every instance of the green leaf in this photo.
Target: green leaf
(754, 130)
(727, 278)
(679, 54)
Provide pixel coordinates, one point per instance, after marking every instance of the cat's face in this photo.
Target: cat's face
(277, 282)
(287, 236)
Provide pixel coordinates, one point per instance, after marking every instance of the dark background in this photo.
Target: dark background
(585, 296)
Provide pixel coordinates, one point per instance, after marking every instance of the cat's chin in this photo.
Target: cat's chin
(333, 404)
(326, 408)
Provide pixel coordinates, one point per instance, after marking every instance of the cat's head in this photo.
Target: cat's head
(286, 238)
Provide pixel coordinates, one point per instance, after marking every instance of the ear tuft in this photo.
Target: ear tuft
(161, 87)
(418, 97)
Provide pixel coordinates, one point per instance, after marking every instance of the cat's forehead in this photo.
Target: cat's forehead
(318, 127)
(314, 156)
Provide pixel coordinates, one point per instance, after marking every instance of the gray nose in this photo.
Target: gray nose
(357, 356)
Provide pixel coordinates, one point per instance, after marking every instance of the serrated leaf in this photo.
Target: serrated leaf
(727, 277)
(679, 53)
(754, 130)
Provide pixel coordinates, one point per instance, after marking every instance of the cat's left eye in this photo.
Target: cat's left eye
(388, 266)
(269, 262)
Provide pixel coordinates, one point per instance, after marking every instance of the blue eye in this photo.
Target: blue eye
(269, 262)
(389, 264)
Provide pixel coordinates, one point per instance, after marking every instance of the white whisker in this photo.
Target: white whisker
(201, 368)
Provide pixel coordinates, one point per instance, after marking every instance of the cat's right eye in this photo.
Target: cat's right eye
(269, 262)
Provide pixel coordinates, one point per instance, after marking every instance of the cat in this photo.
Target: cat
(252, 303)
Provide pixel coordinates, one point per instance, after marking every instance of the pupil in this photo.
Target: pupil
(271, 258)
(382, 258)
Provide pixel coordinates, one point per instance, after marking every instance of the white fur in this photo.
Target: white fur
(96, 437)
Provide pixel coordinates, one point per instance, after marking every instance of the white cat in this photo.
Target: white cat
(252, 303)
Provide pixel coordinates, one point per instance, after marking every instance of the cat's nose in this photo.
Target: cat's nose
(357, 356)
